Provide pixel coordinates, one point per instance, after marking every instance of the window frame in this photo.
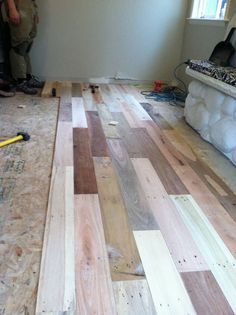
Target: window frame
(198, 4)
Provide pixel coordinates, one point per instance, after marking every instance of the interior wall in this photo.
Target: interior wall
(104, 38)
(200, 39)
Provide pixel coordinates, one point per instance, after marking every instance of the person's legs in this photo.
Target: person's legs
(21, 41)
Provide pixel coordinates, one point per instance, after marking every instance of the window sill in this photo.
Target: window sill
(209, 22)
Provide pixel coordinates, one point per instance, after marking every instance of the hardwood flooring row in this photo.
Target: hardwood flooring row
(136, 223)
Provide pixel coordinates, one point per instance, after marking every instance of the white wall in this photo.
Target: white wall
(141, 39)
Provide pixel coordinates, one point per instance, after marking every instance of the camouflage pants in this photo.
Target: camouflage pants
(22, 36)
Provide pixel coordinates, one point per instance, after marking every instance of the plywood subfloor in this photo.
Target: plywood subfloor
(25, 169)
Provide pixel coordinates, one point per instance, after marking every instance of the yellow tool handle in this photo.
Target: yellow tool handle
(11, 140)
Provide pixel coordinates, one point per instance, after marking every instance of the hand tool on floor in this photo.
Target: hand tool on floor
(19, 137)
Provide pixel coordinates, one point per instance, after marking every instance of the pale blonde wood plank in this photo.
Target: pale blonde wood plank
(131, 89)
(63, 155)
(166, 286)
(133, 298)
(124, 259)
(180, 144)
(69, 285)
(89, 102)
(115, 92)
(216, 213)
(219, 258)
(93, 279)
(216, 186)
(136, 107)
(47, 89)
(110, 131)
(131, 117)
(78, 113)
(184, 251)
(109, 99)
(56, 291)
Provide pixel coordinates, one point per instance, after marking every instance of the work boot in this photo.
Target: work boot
(5, 89)
(33, 82)
(6, 93)
(25, 88)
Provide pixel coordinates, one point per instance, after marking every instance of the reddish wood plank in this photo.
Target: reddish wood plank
(93, 279)
(97, 137)
(205, 293)
(85, 181)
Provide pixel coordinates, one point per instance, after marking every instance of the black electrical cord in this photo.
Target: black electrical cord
(174, 95)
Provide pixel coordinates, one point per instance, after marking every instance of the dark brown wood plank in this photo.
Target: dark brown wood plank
(139, 212)
(128, 135)
(139, 145)
(96, 135)
(205, 293)
(76, 90)
(84, 175)
(157, 117)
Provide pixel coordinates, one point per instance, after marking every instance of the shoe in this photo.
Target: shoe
(33, 82)
(25, 88)
(5, 89)
(6, 93)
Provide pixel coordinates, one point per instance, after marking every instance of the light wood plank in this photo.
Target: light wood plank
(131, 117)
(180, 144)
(89, 102)
(136, 108)
(156, 116)
(65, 112)
(216, 186)
(76, 90)
(133, 298)
(93, 279)
(63, 155)
(57, 274)
(110, 99)
(140, 215)
(184, 251)
(106, 117)
(131, 89)
(219, 258)
(215, 212)
(123, 254)
(78, 113)
(166, 286)
(47, 89)
(206, 294)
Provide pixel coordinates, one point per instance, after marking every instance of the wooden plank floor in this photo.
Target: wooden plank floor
(148, 228)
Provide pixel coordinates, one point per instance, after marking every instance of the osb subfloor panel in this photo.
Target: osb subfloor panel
(25, 169)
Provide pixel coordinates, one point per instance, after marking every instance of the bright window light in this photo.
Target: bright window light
(210, 9)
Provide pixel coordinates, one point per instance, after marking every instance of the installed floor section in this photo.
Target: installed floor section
(137, 222)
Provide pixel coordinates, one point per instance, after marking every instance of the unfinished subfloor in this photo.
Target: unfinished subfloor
(141, 213)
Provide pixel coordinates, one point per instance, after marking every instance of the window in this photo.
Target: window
(210, 9)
